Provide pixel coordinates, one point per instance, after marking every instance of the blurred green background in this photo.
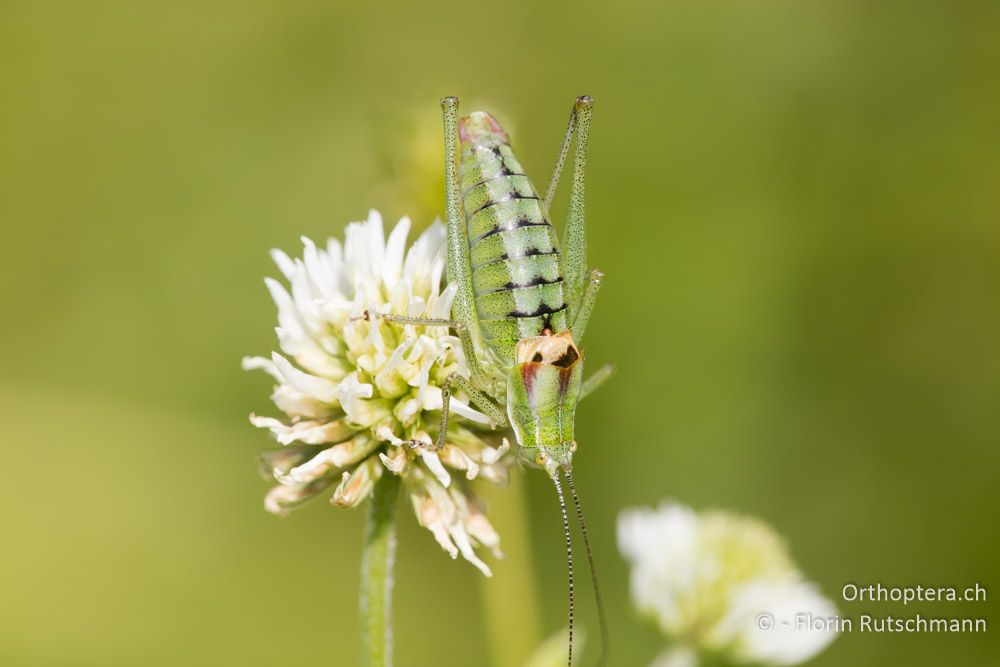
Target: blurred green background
(795, 203)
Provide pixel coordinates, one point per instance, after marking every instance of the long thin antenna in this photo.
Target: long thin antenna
(602, 618)
(569, 564)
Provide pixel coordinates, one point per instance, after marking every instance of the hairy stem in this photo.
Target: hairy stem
(377, 559)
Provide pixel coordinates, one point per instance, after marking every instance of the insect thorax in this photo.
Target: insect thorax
(516, 268)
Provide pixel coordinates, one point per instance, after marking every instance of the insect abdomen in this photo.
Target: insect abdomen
(516, 268)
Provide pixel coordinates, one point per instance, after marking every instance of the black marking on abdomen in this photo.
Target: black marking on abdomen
(530, 252)
(548, 316)
(517, 225)
(542, 310)
(500, 201)
(534, 283)
(512, 285)
(504, 172)
(545, 311)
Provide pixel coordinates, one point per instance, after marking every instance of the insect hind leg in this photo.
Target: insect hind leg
(458, 269)
(574, 239)
(550, 191)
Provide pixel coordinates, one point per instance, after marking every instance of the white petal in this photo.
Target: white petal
(335, 252)
(492, 455)
(787, 642)
(423, 376)
(308, 300)
(312, 469)
(459, 460)
(322, 281)
(662, 547)
(393, 361)
(416, 306)
(433, 464)
(294, 403)
(319, 388)
(288, 315)
(649, 536)
(294, 335)
(375, 336)
(395, 464)
(433, 401)
(364, 245)
(308, 432)
(441, 308)
(443, 538)
(429, 515)
(371, 239)
(350, 392)
(406, 411)
(437, 270)
(457, 532)
(355, 487)
(463, 409)
(375, 237)
(392, 264)
(333, 260)
(384, 434)
(676, 657)
(340, 455)
(284, 262)
(479, 527)
(260, 364)
(422, 258)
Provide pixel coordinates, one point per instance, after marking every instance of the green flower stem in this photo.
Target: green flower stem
(510, 598)
(377, 559)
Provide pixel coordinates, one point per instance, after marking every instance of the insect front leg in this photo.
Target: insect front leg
(478, 387)
(596, 380)
(480, 378)
(480, 399)
(582, 316)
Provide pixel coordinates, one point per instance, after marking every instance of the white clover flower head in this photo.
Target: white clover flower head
(358, 392)
(678, 656)
(705, 578)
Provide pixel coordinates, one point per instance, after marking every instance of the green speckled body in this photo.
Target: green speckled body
(517, 271)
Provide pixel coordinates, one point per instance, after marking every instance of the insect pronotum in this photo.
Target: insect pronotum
(525, 296)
